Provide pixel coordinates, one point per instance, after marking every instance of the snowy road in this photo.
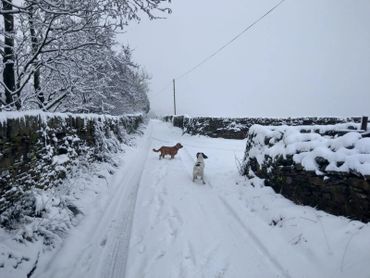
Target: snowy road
(183, 229)
(157, 223)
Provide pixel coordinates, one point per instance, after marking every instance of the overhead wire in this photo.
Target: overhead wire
(229, 42)
(164, 88)
(209, 57)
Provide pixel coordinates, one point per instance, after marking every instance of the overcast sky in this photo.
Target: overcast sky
(307, 58)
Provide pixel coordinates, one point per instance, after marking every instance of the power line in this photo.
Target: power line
(164, 88)
(229, 42)
(222, 47)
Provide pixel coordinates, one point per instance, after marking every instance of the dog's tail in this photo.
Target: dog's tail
(154, 150)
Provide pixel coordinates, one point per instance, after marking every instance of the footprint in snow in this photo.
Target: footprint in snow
(141, 249)
(103, 242)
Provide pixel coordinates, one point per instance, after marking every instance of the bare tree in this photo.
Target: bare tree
(8, 52)
(53, 42)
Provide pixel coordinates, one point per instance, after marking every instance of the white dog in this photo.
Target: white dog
(198, 169)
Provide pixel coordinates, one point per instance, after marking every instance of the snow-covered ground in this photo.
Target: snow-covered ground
(152, 221)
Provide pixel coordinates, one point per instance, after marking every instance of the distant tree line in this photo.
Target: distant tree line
(59, 55)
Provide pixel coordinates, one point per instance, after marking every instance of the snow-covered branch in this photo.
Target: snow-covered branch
(57, 51)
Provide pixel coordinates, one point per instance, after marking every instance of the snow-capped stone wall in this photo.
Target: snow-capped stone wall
(37, 150)
(237, 128)
(327, 167)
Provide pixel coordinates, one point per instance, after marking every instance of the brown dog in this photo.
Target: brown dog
(172, 151)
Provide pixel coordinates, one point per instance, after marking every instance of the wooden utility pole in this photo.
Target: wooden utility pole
(174, 97)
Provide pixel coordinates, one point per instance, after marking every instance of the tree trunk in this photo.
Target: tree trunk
(8, 60)
(36, 75)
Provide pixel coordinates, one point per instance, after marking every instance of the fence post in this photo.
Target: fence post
(364, 123)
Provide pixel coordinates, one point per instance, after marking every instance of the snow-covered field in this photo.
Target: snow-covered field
(151, 220)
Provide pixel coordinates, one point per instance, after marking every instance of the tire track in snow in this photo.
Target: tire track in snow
(188, 162)
(105, 248)
(190, 158)
(118, 264)
(119, 214)
(255, 239)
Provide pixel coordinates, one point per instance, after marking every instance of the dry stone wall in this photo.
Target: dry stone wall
(340, 192)
(37, 149)
(237, 128)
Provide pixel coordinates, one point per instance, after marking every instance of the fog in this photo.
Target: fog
(306, 58)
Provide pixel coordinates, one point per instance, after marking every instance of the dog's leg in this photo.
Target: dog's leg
(203, 179)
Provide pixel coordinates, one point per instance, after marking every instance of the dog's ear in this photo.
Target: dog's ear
(198, 154)
(204, 156)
